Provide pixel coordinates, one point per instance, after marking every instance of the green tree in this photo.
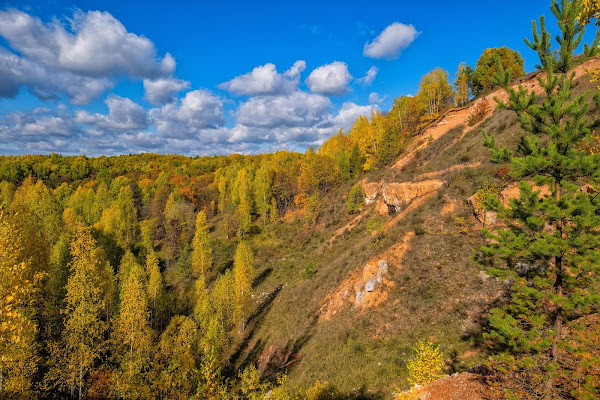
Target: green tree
(550, 246)
(355, 199)
(487, 66)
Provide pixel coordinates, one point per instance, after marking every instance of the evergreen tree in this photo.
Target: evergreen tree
(550, 246)
(356, 161)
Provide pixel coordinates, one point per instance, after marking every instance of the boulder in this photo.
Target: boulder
(371, 284)
(382, 269)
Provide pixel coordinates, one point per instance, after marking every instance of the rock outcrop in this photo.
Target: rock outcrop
(394, 196)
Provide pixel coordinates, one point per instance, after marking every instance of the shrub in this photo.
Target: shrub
(309, 270)
(427, 365)
(480, 111)
(355, 199)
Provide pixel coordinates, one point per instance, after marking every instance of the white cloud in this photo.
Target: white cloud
(162, 90)
(123, 115)
(329, 79)
(374, 99)
(349, 113)
(198, 110)
(295, 109)
(369, 76)
(98, 45)
(81, 62)
(265, 80)
(391, 41)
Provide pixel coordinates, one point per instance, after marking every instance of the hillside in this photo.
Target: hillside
(432, 290)
(311, 276)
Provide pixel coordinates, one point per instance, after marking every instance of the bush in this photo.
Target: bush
(480, 111)
(309, 271)
(355, 199)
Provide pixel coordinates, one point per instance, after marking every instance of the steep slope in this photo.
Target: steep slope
(418, 220)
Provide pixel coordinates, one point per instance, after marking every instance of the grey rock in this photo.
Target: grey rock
(484, 277)
(382, 269)
(359, 297)
(371, 284)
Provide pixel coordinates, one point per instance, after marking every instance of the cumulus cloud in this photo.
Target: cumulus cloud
(98, 45)
(349, 112)
(295, 109)
(163, 90)
(81, 61)
(123, 115)
(329, 79)
(265, 80)
(391, 41)
(374, 98)
(369, 76)
(198, 110)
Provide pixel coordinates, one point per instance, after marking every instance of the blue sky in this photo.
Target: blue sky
(218, 77)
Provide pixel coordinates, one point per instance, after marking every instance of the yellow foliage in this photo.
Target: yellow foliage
(427, 365)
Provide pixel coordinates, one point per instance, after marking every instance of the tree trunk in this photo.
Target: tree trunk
(558, 264)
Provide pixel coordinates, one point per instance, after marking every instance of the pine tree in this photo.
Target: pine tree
(550, 246)
(356, 161)
(202, 253)
(243, 270)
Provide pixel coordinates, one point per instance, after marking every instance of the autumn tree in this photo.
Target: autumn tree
(155, 282)
(242, 198)
(243, 270)
(223, 298)
(590, 10)
(202, 250)
(18, 350)
(435, 93)
(132, 336)
(262, 191)
(120, 219)
(83, 336)
(176, 358)
(487, 66)
(549, 247)
(461, 85)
